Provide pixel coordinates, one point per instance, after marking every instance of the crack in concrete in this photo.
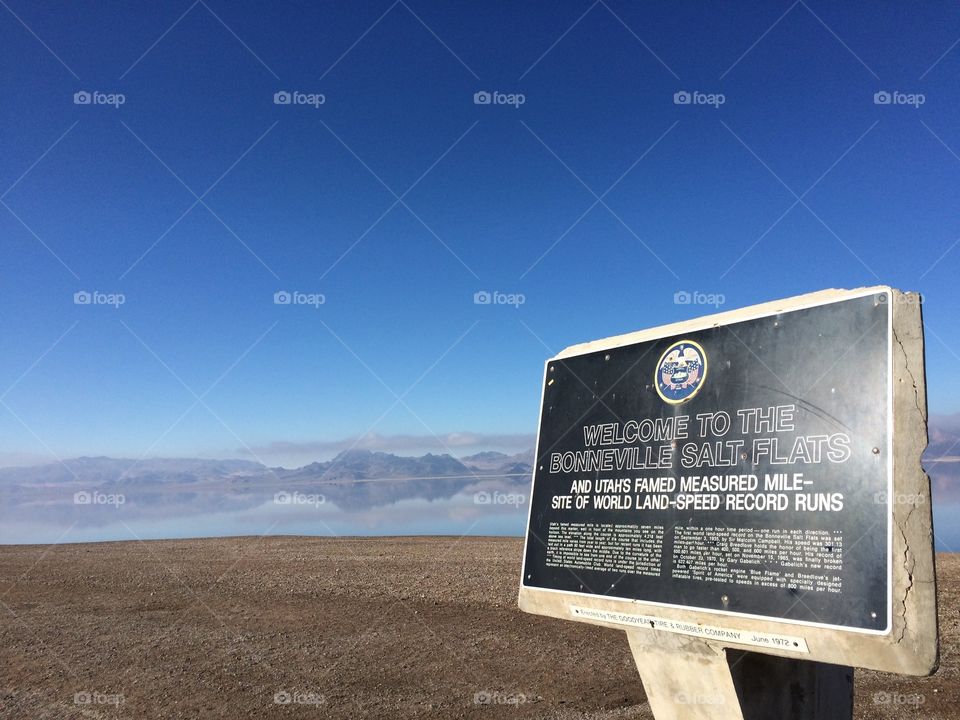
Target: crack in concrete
(909, 561)
(908, 564)
(913, 380)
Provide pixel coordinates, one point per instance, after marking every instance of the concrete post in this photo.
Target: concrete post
(689, 679)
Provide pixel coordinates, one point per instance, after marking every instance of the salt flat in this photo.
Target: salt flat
(333, 628)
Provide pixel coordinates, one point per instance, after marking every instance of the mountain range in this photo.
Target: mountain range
(354, 480)
(350, 465)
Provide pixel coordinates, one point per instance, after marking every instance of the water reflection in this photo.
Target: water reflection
(486, 505)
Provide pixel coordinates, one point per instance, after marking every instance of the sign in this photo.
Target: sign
(741, 469)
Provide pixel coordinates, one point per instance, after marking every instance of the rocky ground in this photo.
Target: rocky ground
(333, 628)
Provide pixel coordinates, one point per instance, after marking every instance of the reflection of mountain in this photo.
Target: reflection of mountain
(162, 488)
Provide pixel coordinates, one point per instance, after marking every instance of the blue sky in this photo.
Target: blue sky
(598, 199)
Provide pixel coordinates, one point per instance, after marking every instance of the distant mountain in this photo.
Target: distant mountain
(367, 465)
(101, 470)
(350, 465)
(944, 431)
(353, 480)
(485, 459)
(499, 461)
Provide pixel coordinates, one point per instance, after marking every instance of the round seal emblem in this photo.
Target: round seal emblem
(681, 372)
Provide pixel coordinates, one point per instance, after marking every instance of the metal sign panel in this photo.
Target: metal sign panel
(741, 469)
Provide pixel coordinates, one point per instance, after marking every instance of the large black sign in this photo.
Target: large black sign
(742, 468)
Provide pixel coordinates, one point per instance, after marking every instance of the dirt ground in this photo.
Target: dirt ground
(333, 628)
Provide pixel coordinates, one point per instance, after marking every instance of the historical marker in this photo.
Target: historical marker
(750, 479)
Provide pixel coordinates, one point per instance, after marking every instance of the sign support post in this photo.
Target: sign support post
(696, 680)
(743, 495)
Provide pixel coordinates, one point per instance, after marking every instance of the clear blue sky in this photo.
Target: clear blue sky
(704, 198)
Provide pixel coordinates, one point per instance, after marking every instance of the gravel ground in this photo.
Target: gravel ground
(342, 628)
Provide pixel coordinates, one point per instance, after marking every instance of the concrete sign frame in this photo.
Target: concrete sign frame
(671, 636)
